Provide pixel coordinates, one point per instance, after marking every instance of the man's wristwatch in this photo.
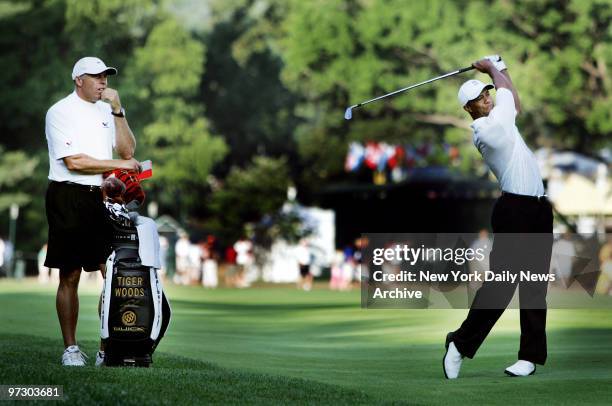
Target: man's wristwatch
(120, 114)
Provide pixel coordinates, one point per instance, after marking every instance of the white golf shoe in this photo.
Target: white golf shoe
(74, 357)
(521, 368)
(100, 359)
(451, 363)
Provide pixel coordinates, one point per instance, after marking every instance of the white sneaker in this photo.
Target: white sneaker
(74, 357)
(452, 361)
(521, 368)
(100, 358)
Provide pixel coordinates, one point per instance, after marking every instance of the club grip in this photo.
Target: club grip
(465, 69)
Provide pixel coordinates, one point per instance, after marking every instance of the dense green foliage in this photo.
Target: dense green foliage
(340, 52)
(247, 195)
(15, 167)
(210, 85)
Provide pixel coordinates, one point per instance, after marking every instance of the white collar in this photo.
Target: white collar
(81, 101)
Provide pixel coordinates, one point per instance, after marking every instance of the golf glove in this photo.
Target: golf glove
(498, 62)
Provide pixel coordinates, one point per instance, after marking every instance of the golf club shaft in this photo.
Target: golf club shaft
(456, 72)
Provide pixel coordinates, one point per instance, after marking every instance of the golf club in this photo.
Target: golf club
(348, 114)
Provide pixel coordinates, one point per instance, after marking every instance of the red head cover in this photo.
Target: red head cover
(134, 195)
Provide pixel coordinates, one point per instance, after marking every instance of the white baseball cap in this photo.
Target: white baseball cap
(91, 65)
(471, 90)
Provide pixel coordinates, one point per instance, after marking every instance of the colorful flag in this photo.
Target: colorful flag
(354, 157)
(373, 155)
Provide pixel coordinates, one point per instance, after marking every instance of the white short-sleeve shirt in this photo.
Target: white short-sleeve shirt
(75, 126)
(504, 150)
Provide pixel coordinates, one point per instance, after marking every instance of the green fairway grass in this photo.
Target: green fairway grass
(281, 345)
(174, 380)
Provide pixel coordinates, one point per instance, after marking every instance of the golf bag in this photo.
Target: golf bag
(135, 312)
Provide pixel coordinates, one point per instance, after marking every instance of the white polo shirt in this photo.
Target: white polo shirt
(504, 150)
(75, 126)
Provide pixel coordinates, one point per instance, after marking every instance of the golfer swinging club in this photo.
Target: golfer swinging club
(522, 208)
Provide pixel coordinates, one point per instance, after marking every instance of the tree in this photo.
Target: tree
(41, 40)
(162, 83)
(564, 51)
(19, 185)
(245, 98)
(339, 52)
(247, 195)
(15, 168)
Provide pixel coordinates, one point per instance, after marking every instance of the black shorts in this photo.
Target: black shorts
(304, 270)
(78, 231)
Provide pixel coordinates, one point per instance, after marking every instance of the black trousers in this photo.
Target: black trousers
(522, 228)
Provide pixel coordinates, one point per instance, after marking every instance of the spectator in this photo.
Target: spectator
(7, 258)
(563, 253)
(194, 264)
(210, 277)
(46, 275)
(244, 259)
(181, 250)
(164, 245)
(605, 260)
(335, 282)
(304, 260)
(2, 249)
(348, 270)
(231, 271)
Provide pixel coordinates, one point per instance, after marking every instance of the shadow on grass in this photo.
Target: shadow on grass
(29, 360)
(260, 307)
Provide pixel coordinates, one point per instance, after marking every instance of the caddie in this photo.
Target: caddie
(82, 130)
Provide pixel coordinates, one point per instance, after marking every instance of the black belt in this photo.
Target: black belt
(542, 198)
(88, 188)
